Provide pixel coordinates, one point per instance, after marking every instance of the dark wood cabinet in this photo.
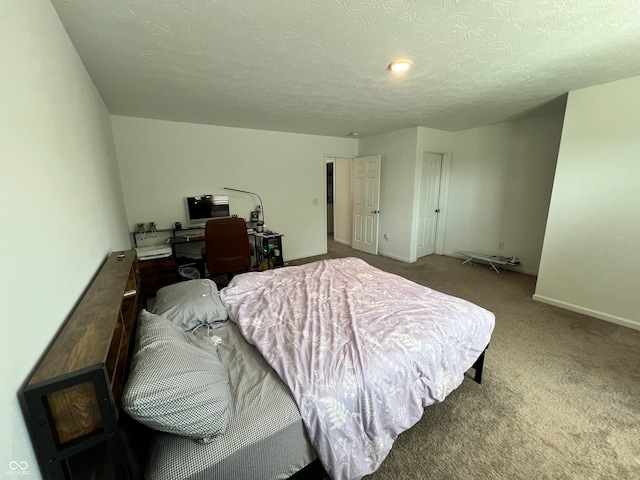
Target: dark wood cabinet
(157, 273)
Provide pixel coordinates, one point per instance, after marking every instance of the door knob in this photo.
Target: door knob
(376, 211)
(437, 210)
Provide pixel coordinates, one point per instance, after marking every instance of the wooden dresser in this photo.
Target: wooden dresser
(71, 401)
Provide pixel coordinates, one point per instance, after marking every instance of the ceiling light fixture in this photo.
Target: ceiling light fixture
(353, 134)
(400, 65)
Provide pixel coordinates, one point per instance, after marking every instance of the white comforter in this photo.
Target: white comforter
(363, 351)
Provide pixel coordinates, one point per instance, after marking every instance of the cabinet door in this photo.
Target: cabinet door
(157, 273)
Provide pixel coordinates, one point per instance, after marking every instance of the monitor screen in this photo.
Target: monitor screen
(204, 207)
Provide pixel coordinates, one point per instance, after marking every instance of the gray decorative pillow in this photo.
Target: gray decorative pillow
(191, 303)
(176, 383)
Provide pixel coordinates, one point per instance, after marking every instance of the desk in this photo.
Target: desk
(156, 273)
(187, 247)
(179, 239)
(267, 247)
(160, 272)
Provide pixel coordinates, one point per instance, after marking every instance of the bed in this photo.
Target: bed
(329, 360)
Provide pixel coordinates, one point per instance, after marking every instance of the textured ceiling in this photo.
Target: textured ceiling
(319, 66)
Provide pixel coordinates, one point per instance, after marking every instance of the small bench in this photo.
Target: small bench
(493, 260)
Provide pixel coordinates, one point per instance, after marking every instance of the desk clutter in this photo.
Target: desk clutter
(268, 247)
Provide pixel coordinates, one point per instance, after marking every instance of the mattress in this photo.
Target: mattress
(265, 438)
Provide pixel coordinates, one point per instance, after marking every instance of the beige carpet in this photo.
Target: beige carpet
(560, 397)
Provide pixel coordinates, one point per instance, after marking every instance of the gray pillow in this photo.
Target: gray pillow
(176, 383)
(191, 303)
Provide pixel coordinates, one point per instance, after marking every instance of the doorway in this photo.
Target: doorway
(330, 207)
(339, 201)
(430, 198)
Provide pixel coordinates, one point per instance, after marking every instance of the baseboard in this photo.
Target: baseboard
(514, 268)
(625, 322)
(304, 255)
(395, 257)
(315, 254)
(343, 242)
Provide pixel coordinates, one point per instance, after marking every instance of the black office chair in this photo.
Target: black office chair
(227, 249)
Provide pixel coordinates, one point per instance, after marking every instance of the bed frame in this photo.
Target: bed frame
(71, 402)
(478, 366)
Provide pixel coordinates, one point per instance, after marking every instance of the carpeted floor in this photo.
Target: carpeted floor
(560, 397)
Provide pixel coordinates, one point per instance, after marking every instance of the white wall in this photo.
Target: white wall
(497, 187)
(500, 186)
(400, 184)
(590, 260)
(433, 141)
(397, 178)
(62, 208)
(163, 162)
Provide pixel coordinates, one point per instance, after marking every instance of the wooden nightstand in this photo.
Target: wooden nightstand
(157, 273)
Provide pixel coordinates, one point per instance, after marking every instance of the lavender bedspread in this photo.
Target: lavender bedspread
(363, 351)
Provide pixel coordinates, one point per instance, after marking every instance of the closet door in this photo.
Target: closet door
(366, 203)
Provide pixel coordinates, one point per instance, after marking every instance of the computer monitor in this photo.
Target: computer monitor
(205, 207)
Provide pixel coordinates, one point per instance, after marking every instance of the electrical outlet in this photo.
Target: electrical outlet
(501, 246)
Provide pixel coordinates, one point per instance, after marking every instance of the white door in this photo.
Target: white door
(428, 203)
(366, 203)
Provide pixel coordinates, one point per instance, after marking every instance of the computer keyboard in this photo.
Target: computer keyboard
(153, 251)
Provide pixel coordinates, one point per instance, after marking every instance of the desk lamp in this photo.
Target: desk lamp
(250, 193)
